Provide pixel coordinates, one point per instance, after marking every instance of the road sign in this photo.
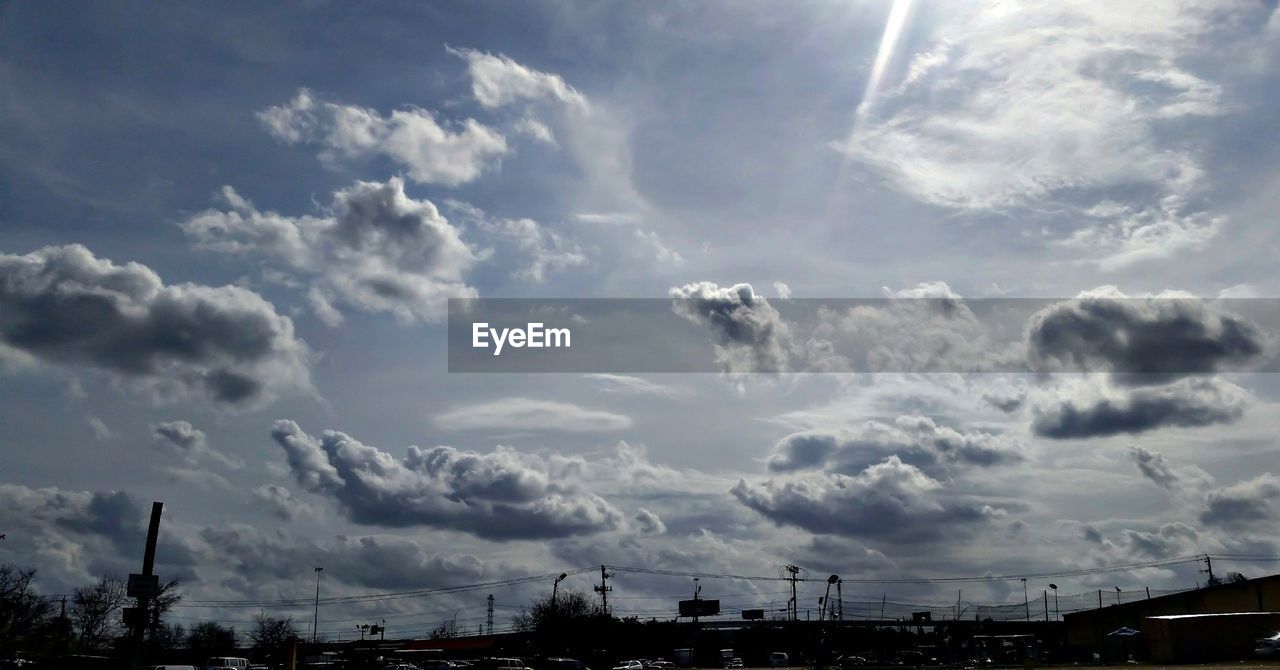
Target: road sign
(143, 586)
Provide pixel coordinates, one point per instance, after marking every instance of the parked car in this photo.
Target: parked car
(661, 665)
(629, 665)
(227, 662)
(1268, 647)
(779, 659)
(736, 663)
(563, 664)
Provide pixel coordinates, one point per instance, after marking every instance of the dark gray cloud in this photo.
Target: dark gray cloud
(845, 556)
(64, 305)
(280, 502)
(649, 523)
(749, 333)
(891, 500)
(1153, 466)
(77, 535)
(191, 443)
(916, 440)
(502, 495)
(376, 249)
(1171, 334)
(1170, 539)
(1082, 412)
(1244, 503)
(256, 556)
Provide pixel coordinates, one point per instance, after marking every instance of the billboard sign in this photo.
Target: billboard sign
(693, 608)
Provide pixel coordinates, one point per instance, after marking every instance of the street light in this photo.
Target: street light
(555, 586)
(1117, 595)
(1026, 601)
(1056, 612)
(315, 621)
(826, 596)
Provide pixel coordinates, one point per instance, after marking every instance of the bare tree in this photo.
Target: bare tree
(168, 637)
(96, 612)
(210, 639)
(160, 605)
(569, 605)
(270, 633)
(22, 612)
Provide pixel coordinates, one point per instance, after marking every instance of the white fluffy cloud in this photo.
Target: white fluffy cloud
(375, 249)
(498, 81)
(750, 335)
(432, 153)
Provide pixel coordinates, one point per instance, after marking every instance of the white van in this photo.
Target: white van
(227, 663)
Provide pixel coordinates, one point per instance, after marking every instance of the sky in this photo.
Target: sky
(228, 236)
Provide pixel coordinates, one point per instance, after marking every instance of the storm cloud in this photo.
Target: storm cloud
(1081, 411)
(64, 305)
(1148, 339)
(502, 495)
(1243, 503)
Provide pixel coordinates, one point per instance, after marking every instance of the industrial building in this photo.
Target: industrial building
(1177, 627)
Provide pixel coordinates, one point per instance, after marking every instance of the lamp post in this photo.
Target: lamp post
(315, 621)
(555, 586)
(1026, 601)
(826, 596)
(1117, 595)
(1057, 614)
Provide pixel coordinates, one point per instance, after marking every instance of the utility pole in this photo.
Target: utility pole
(794, 571)
(315, 619)
(603, 589)
(839, 600)
(143, 612)
(958, 592)
(489, 617)
(697, 589)
(1025, 601)
(1046, 605)
(1208, 565)
(883, 598)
